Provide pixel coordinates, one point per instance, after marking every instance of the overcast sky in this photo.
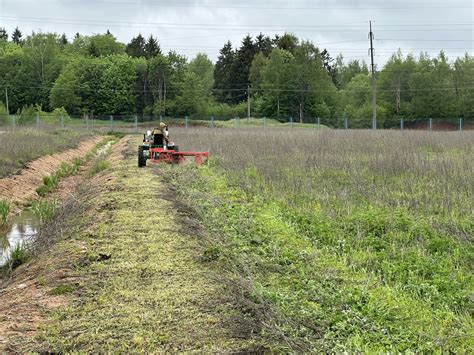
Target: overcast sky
(192, 26)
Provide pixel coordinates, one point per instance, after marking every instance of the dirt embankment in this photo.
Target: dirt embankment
(19, 188)
(438, 126)
(36, 288)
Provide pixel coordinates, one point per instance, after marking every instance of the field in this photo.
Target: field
(21, 146)
(362, 240)
(322, 241)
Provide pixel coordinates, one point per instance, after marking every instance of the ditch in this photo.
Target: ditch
(17, 234)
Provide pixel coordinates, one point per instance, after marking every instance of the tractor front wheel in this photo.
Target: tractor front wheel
(141, 157)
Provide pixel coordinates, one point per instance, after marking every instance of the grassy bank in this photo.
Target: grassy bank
(361, 240)
(19, 147)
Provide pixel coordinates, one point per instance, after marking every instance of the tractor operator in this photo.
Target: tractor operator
(161, 135)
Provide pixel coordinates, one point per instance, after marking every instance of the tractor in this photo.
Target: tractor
(168, 153)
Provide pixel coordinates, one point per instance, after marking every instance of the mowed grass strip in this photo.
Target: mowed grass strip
(144, 286)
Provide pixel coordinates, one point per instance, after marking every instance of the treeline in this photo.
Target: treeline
(284, 77)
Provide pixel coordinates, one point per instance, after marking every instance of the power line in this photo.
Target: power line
(268, 6)
(242, 89)
(213, 27)
(372, 65)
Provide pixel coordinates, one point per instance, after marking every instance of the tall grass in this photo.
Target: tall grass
(19, 147)
(362, 239)
(4, 211)
(44, 210)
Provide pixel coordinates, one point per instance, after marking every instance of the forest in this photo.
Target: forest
(284, 76)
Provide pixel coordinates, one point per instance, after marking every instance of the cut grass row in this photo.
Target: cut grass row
(143, 286)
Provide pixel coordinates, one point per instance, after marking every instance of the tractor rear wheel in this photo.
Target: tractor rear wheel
(141, 157)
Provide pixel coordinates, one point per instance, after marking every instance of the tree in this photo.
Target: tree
(193, 96)
(240, 70)
(264, 44)
(259, 64)
(463, 78)
(275, 77)
(223, 74)
(310, 81)
(16, 36)
(66, 91)
(63, 40)
(288, 42)
(136, 47)
(41, 65)
(12, 76)
(204, 69)
(393, 84)
(100, 85)
(433, 89)
(103, 45)
(3, 34)
(159, 72)
(357, 105)
(329, 66)
(345, 72)
(152, 48)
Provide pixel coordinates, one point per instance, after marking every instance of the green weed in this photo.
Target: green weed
(19, 256)
(341, 234)
(44, 210)
(62, 289)
(4, 211)
(211, 253)
(97, 167)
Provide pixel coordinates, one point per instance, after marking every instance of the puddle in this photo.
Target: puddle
(22, 229)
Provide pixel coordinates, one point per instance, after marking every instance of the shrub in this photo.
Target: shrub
(4, 120)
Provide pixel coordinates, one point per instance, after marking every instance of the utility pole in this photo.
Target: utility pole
(374, 99)
(248, 101)
(6, 98)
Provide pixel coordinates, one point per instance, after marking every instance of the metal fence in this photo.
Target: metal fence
(138, 123)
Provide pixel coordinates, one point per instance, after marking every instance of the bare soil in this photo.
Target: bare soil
(438, 126)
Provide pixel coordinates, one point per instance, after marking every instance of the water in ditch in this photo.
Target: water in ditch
(19, 231)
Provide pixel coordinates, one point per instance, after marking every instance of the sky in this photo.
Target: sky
(193, 26)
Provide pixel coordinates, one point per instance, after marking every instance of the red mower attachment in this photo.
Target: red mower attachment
(160, 155)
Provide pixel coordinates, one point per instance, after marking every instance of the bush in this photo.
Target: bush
(28, 115)
(4, 120)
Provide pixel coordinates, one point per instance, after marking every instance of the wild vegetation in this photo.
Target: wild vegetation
(361, 240)
(4, 211)
(19, 147)
(287, 77)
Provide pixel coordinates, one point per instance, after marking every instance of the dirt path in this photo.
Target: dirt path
(19, 188)
(134, 277)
